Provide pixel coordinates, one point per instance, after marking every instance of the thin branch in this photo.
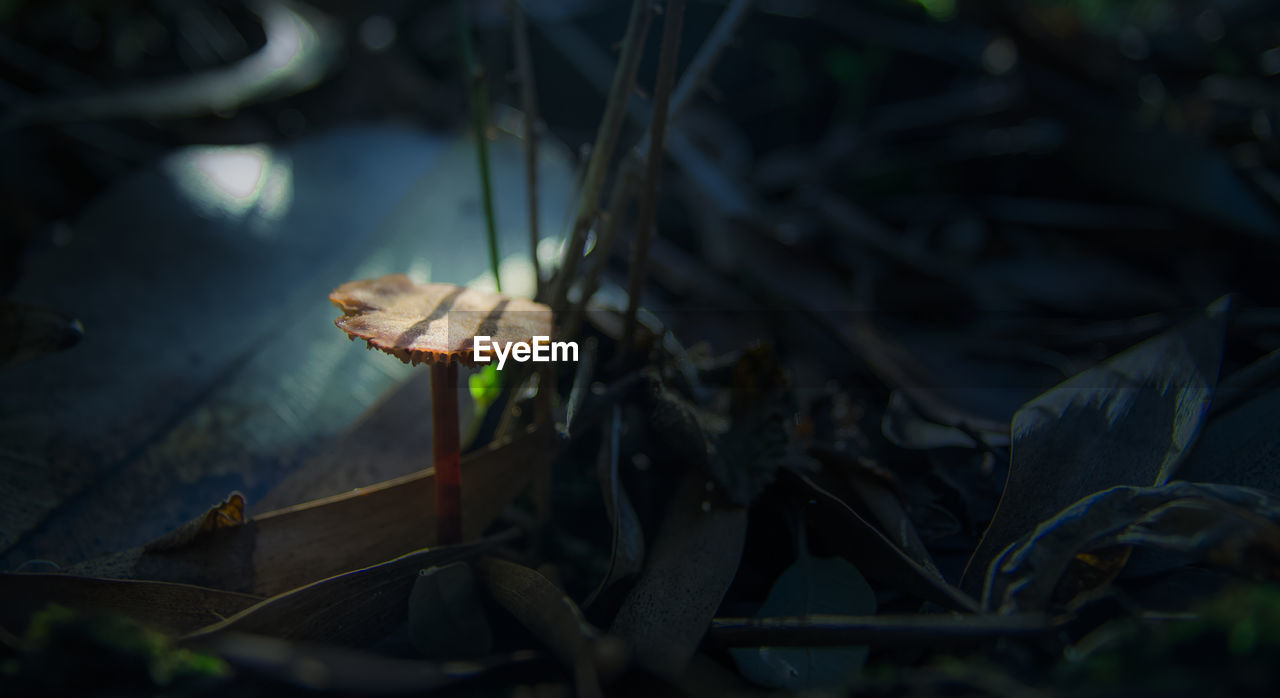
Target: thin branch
(698, 72)
(672, 27)
(625, 186)
(835, 631)
(478, 97)
(624, 81)
(532, 129)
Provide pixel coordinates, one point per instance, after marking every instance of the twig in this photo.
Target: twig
(625, 184)
(698, 72)
(624, 80)
(693, 78)
(672, 27)
(478, 98)
(529, 105)
(834, 631)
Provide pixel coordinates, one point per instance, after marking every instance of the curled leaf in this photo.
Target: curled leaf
(554, 619)
(694, 559)
(1236, 527)
(1128, 421)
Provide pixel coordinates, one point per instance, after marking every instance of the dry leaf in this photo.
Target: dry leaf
(287, 548)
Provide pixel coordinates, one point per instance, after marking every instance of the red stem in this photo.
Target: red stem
(444, 438)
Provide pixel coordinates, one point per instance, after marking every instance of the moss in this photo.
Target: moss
(66, 652)
(1229, 648)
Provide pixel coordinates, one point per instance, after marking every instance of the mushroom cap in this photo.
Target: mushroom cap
(434, 323)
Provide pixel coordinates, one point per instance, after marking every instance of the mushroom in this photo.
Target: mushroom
(436, 324)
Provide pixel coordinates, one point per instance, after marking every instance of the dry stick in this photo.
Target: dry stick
(833, 631)
(695, 75)
(624, 81)
(698, 72)
(528, 104)
(625, 184)
(672, 27)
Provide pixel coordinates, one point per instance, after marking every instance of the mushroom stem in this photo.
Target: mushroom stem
(444, 439)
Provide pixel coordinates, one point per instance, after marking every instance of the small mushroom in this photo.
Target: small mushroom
(436, 324)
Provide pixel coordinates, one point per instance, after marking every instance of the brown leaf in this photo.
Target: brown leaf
(626, 555)
(290, 547)
(694, 559)
(553, 618)
(225, 515)
(353, 609)
(1225, 525)
(169, 608)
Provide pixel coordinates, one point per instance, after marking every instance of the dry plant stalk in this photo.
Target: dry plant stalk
(624, 81)
(672, 27)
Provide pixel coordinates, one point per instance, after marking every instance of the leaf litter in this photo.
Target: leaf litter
(890, 392)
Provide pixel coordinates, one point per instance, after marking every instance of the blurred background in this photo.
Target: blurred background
(929, 211)
(1018, 189)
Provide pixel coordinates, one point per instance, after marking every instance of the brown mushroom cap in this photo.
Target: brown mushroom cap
(434, 323)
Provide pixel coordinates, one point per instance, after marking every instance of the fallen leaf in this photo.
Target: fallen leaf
(693, 560)
(1240, 447)
(553, 618)
(354, 609)
(1226, 525)
(1128, 421)
(174, 609)
(285, 549)
(626, 552)
(446, 617)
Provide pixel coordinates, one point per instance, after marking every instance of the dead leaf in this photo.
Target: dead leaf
(626, 553)
(354, 609)
(446, 617)
(1129, 421)
(287, 548)
(1236, 527)
(228, 514)
(174, 609)
(553, 618)
(693, 560)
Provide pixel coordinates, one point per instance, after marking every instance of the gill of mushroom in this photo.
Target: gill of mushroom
(436, 324)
